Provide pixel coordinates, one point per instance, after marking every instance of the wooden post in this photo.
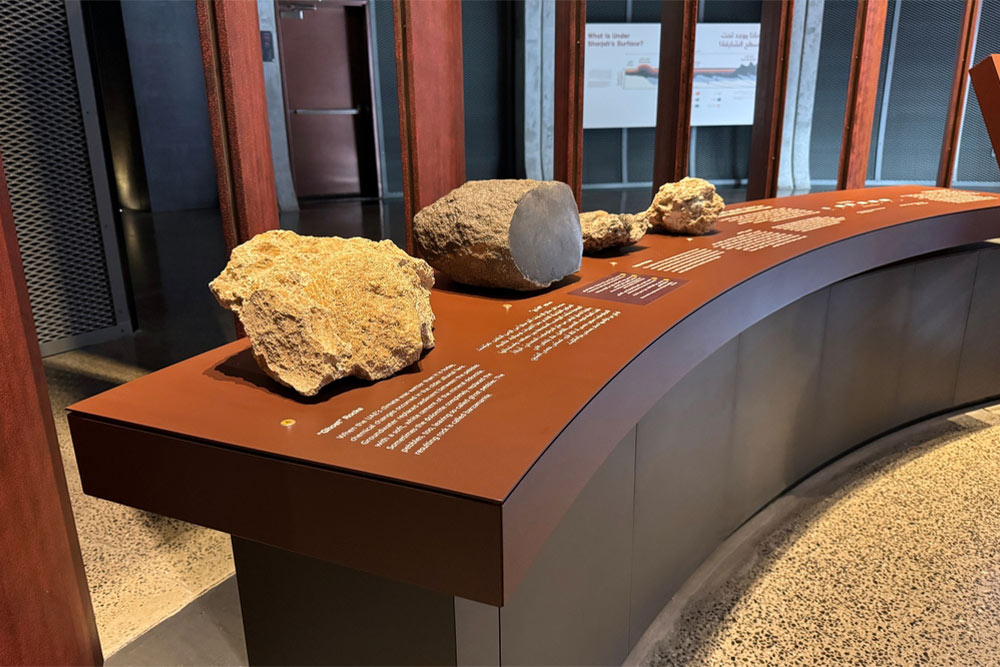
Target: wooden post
(571, 27)
(956, 105)
(45, 612)
(769, 106)
(237, 108)
(431, 101)
(862, 91)
(986, 82)
(678, 20)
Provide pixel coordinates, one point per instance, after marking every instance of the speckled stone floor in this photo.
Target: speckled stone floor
(890, 556)
(141, 567)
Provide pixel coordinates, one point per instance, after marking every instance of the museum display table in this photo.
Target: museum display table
(540, 483)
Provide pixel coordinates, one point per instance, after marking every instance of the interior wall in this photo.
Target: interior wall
(165, 58)
(625, 156)
(911, 105)
(284, 186)
(487, 43)
(488, 34)
(976, 162)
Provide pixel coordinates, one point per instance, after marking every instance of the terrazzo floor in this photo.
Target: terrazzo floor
(890, 556)
(141, 567)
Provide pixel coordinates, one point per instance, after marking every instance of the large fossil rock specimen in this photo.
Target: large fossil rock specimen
(603, 230)
(689, 207)
(515, 234)
(319, 309)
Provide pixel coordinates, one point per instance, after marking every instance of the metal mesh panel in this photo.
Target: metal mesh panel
(920, 89)
(602, 148)
(602, 156)
(976, 161)
(722, 152)
(641, 144)
(883, 73)
(392, 164)
(831, 88)
(607, 11)
(45, 157)
(487, 88)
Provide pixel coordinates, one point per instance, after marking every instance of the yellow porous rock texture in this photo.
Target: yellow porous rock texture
(689, 207)
(603, 230)
(319, 309)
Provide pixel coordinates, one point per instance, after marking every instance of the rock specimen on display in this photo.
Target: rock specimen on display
(319, 309)
(515, 234)
(689, 207)
(603, 230)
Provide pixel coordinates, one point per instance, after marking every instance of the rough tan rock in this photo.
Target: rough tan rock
(689, 207)
(514, 234)
(319, 309)
(603, 230)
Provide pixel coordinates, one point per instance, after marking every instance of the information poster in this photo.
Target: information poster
(622, 71)
(725, 73)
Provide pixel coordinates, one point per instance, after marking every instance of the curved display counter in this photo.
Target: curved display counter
(542, 482)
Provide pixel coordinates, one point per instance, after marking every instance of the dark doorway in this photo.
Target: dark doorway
(326, 71)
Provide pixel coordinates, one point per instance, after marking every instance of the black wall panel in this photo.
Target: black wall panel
(977, 161)
(920, 89)
(169, 85)
(831, 88)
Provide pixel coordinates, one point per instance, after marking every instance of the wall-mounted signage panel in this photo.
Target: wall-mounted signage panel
(622, 71)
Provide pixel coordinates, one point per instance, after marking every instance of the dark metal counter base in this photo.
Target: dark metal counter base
(794, 391)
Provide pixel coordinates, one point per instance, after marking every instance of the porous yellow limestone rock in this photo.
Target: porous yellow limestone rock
(603, 230)
(688, 207)
(319, 309)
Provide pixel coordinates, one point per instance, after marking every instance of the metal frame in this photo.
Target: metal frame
(965, 106)
(114, 259)
(897, 10)
(960, 83)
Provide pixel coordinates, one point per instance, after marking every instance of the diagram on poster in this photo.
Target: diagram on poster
(725, 73)
(622, 72)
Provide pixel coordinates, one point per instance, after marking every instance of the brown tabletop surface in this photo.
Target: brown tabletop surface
(510, 370)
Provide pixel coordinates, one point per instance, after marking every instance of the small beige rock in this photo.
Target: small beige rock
(689, 207)
(513, 234)
(319, 309)
(603, 230)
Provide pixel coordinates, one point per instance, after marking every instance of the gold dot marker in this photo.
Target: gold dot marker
(506, 306)
(614, 263)
(288, 422)
(690, 239)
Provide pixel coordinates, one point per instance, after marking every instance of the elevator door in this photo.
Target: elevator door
(328, 97)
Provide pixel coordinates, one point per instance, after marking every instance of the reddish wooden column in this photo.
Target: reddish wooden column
(769, 106)
(45, 612)
(571, 28)
(956, 105)
(862, 90)
(237, 108)
(986, 82)
(431, 101)
(678, 19)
